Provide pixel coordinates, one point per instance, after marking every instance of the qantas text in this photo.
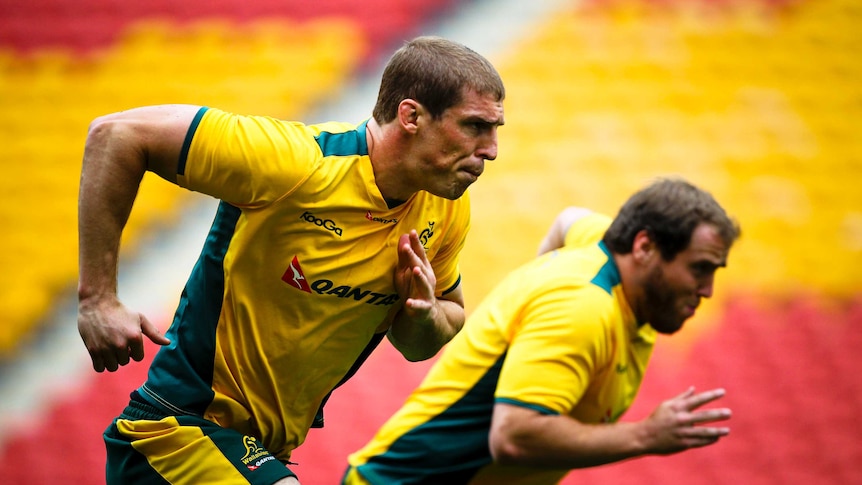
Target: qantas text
(327, 287)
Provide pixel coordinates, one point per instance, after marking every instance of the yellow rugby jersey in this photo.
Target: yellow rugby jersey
(556, 336)
(296, 274)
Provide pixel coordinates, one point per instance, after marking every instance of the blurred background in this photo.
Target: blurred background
(757, 101)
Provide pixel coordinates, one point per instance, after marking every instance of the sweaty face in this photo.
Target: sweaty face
(455, 146)
(673, 289)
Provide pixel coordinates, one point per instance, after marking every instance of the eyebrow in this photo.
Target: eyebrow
(711, 264)
(481, 119)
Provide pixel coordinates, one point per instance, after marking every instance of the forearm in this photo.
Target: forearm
(562, 442)
(110, 177)
(420, 338)
(120, 148)
(522, 437)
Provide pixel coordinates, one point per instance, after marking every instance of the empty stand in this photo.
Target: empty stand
(278, 67)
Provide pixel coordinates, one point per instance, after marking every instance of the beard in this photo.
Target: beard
(661, 309)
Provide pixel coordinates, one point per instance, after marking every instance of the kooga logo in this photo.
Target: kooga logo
(327, 224)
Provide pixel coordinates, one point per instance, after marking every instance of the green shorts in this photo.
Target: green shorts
(145, 446)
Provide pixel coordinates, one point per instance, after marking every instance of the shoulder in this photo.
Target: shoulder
(259, 131)
(340, 139)
(585, 227)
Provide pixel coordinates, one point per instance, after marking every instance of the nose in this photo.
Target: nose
(705, 288)
(488, 146)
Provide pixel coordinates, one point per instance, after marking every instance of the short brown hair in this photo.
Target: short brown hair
(434, 71)
(669, 210)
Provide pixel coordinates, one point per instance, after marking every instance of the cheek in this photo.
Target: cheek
(679, 279)
(456, 142)
(671, 291)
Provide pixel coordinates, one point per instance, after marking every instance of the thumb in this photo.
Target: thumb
(152, 332)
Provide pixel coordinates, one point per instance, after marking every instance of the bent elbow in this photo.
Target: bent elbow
(414, 352)
(507, 453)
(99, 133)
(99, 126)
(415, 356)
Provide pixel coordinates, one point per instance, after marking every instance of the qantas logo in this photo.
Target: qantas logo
(381, 220)
(296, 278)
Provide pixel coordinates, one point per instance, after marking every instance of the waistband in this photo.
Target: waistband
(138, 408)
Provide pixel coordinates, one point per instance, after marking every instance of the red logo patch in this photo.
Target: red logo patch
(294, 276)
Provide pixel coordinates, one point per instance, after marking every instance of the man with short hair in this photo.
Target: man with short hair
(534, 384)
(327, 238)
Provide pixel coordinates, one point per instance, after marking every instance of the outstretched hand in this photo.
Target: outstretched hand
(415, 280)
(677, 424)
(114, 334)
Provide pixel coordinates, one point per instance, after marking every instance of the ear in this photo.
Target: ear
(408, 115)
(643, 247)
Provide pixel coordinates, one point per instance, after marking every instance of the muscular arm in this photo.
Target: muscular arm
(424, 323)
(119, 149)
(523, 437)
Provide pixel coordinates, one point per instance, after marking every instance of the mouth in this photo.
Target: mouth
(475, 171)
(690, 309)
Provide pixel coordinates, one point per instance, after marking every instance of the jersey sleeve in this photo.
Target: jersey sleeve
(557, 349)
(587, 230)
(247, 161)
(446, 262)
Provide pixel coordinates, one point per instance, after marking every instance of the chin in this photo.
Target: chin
(667, 328)
(453, 193)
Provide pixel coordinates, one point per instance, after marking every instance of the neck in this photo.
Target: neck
(387, 152)
(629, 281)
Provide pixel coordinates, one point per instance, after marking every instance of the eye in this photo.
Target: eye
(477, 126)
(702, 269)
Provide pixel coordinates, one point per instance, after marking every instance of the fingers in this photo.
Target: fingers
(108, 358)
(112, 351)
(410, 250)
(152, 332)
(98, 362)
(122, 354)
(416, 277)
(109, 361)
(136, 344)
(405, 253)
(112, 358)
(689, 400)
(422, 297)
(697, 400)
(702, 436)
(421, 283)
(686, 394)
(680, 425)
(417, 247)
(710, 416)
